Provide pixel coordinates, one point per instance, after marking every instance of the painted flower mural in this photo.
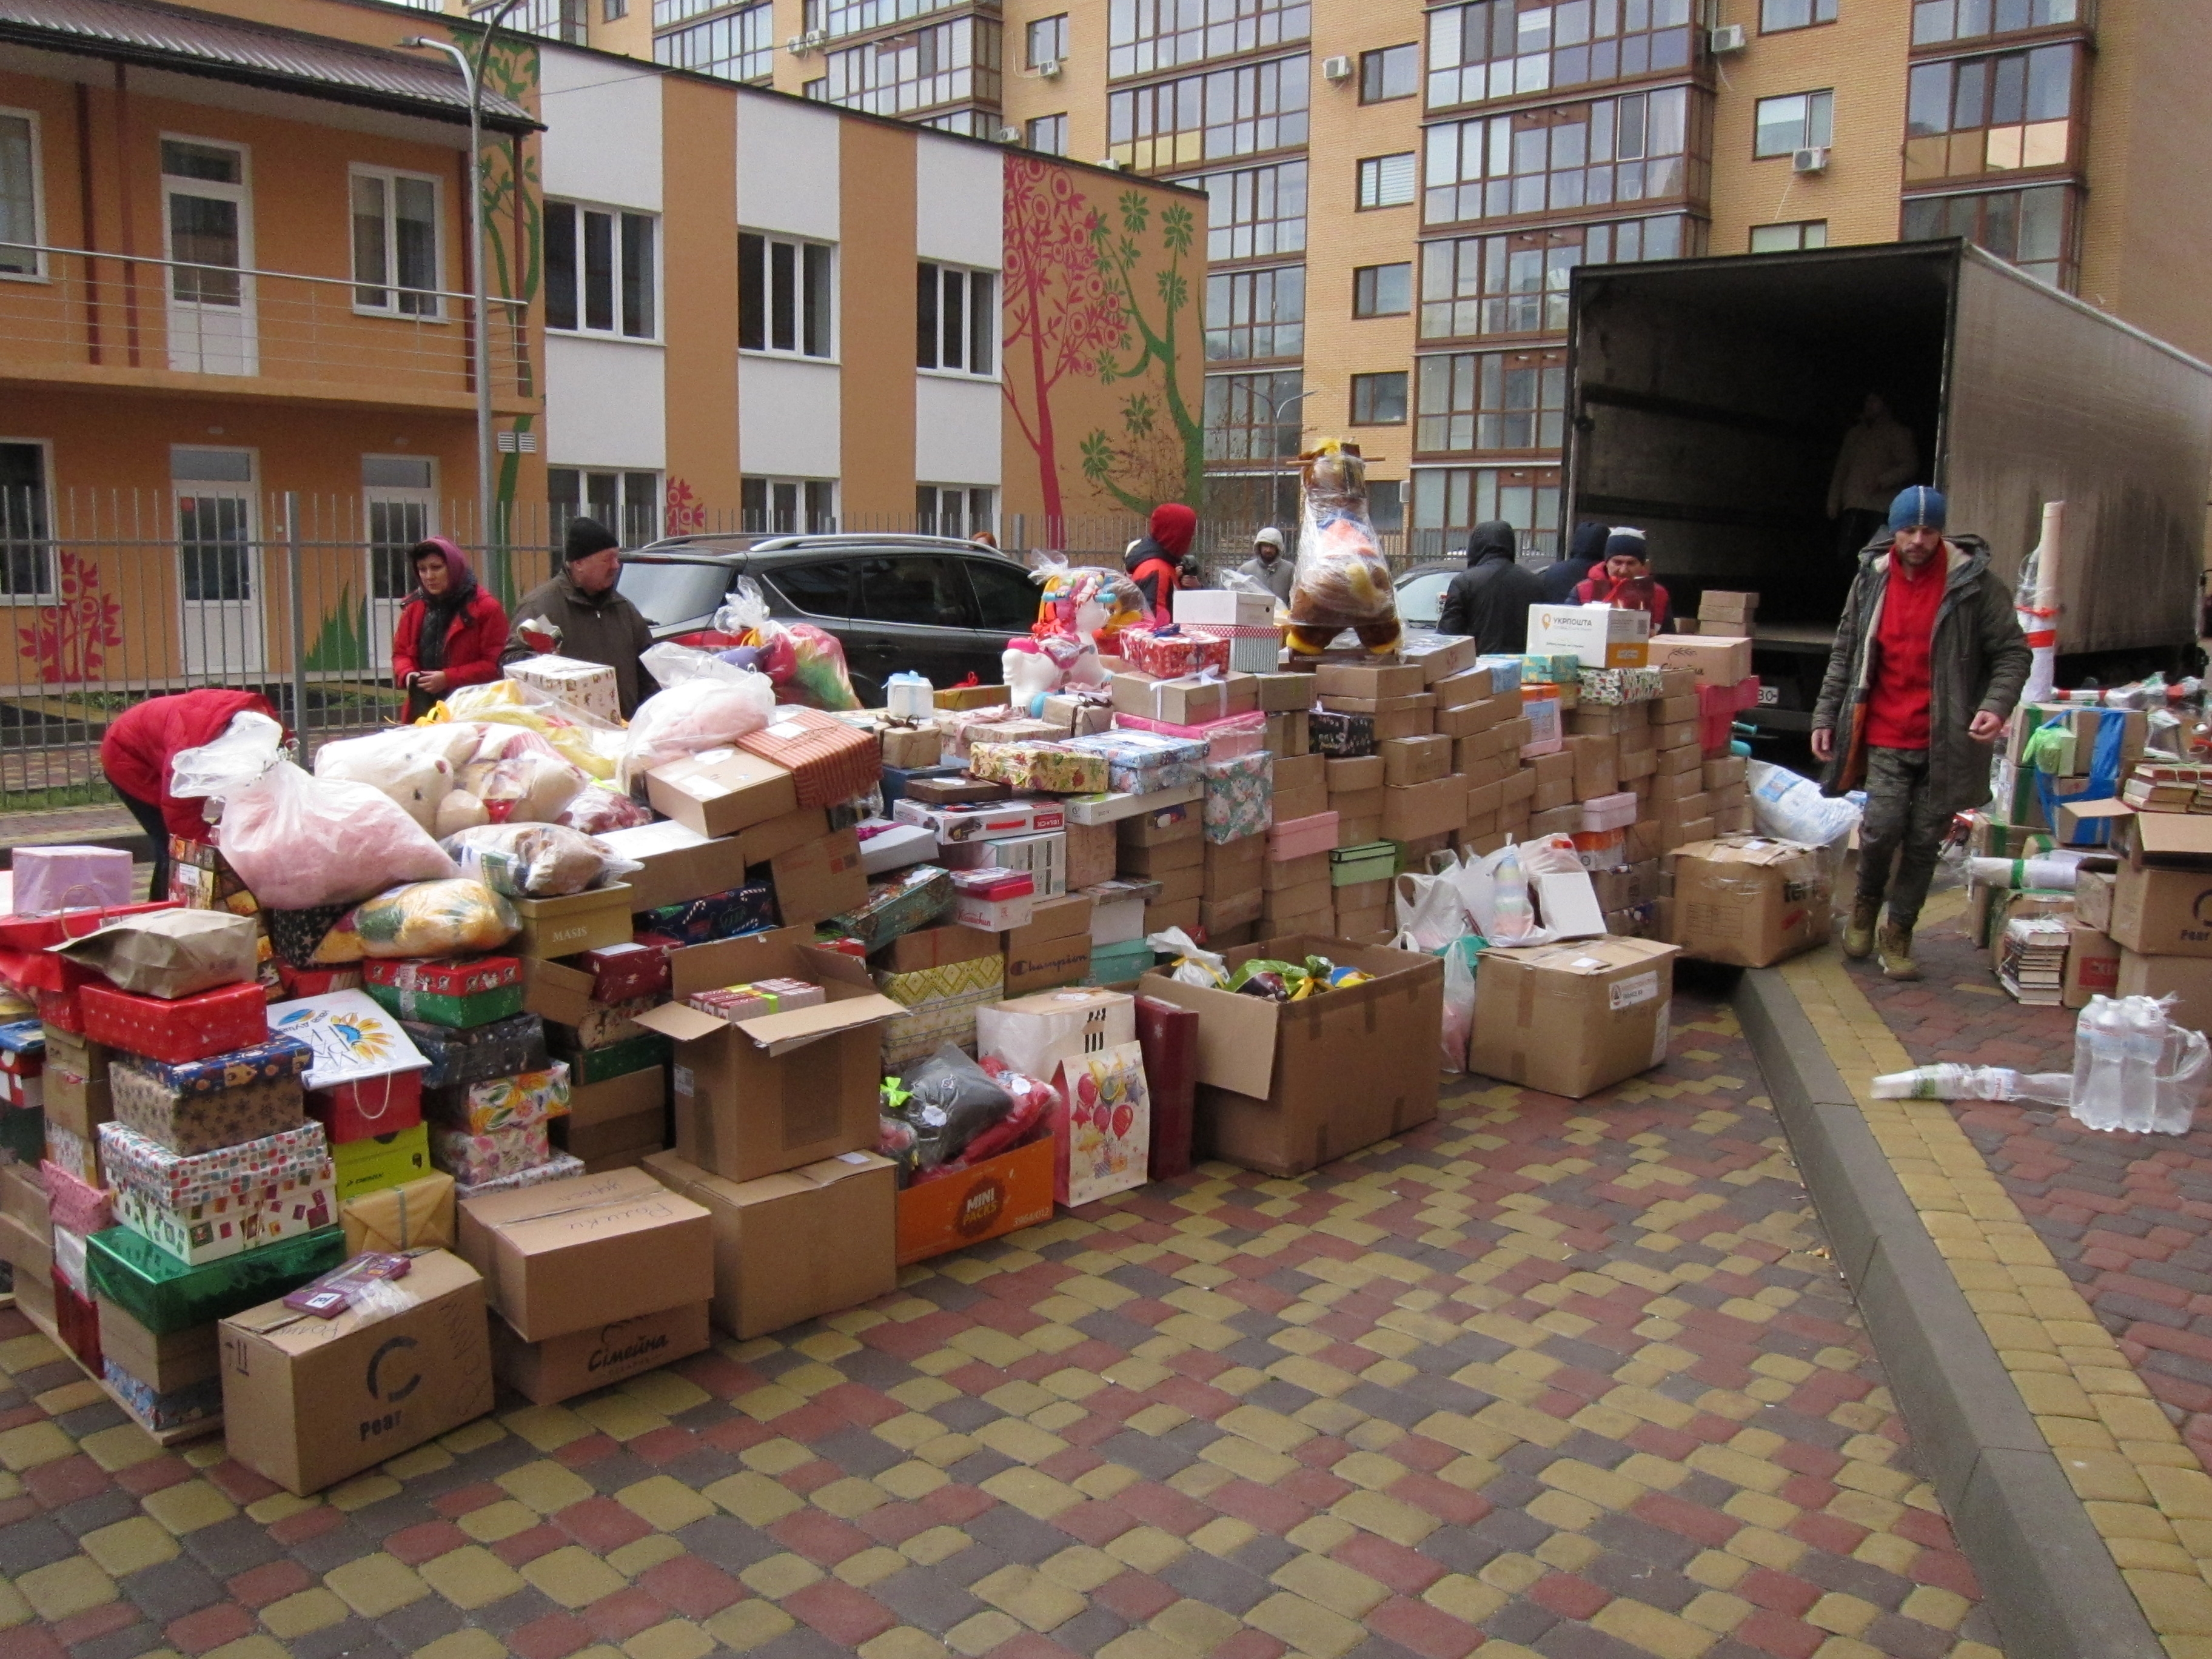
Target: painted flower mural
(70, 640)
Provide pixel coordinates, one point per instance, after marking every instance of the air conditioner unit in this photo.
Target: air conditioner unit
(1048, 69)
(816, 38)
(797, 46)
(1010, 134)
(1814, 160)
(1336, 68)
(1728, 37)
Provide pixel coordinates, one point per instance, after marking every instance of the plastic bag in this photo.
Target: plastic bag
(535, 861)
(459, 810)
(236, 759)
(2133, 1068)
(298, 842)
(528, 789)
(409, 763)
(584, 740)
(806, 664)
(1341, 580)
(433, 918)
(708, 704)
(1083, 601)
(951, 1100)
(1193, 966)
(1792, 808)
(596, 808)
(1949, 1080)
(1459, 1001)
(1432, 912)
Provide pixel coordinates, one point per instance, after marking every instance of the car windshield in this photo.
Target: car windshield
(676, 591)
(1421, 599)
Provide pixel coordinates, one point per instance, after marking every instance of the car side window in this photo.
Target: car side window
(917, 589)
(818, 590)
(1005, 594)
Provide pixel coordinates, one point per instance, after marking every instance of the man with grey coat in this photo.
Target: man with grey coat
(1267, 566)
(1928, 663)
(596, 623)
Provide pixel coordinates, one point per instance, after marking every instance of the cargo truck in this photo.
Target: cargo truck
(1709, 398)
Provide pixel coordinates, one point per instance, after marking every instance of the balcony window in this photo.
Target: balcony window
(2034, 229)
(1800, 120)
(1379, 399)
(1144, 36)
(1476, 287)
(786, 507)
(553, 20)
(1789, 238)
(1046, 42)
(1393, 72)
(1387, 180)
(1048, 135)
(956, 319)
(1935, 22)
(1255, 314)
(1511, 48)
(1255, 213)
(739, 46)
(22, 228)
(939, 63)
(784, 296)
(1489, 401)
(1449, 501)
(850, 17)
(395, 242)
(599, 276)
(1642, 147)
(1382, 290)
(1968, 116)
(1779, 17)
(1240, 422)
(1209, 118)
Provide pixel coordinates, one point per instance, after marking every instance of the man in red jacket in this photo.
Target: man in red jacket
(451, 630)
(136, 750)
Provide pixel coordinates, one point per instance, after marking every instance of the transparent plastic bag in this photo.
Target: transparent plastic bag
(298, 842)
(592, 744)
(708, 704)
(234, 761)
(1792, 808)
(950, 1101)
(2133, 1068)
(1949, 1080)
(535, 861)
(805, 665)
(411, 764)
(1459, 1001)
(1341, 578)
(1432, 912)
(595, 809)
(451, 918)
(1083, 601)
(1193, 966)
(526, 788)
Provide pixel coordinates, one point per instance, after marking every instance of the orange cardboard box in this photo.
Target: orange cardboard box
(999, 1195)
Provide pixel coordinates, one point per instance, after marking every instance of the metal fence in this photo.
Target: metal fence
(109, 598)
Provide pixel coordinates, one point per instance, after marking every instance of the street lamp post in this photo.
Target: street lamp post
(1275, 419)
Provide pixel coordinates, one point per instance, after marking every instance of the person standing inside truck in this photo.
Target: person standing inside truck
(1877, 458)
(1928, 663)
(1625, 580)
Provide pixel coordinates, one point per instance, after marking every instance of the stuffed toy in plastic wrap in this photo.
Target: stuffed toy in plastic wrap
(590, 744)
(805, 665)
(1341, 580)
(1083, 601)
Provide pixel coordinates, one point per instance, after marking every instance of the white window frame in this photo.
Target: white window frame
(1057, 26)
(436, 313)
(1802, 227)
(616, 213)
(623, 506)
(48, 592)
(966, 276)
(771, 482)
(1373, 167)
(38, 272)
(770, 240)
(965, 513)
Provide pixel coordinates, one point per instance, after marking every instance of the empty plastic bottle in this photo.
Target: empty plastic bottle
(1511, 915)
(2146, 1047)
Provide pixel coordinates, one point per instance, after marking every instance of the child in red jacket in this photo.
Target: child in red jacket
(450, 631)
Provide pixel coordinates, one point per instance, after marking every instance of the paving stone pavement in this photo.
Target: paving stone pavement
(1575, 1381)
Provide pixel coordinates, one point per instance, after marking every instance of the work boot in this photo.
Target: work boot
(1858, 932)
(1893, 944)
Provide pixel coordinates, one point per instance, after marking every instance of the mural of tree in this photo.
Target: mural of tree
(70, 640)
(1060, 311)
(1152, 460)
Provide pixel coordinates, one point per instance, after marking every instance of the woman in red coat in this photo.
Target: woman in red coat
(450, 631)
(135, 752)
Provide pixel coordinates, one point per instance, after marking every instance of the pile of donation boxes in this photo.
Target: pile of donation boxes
(878, 987)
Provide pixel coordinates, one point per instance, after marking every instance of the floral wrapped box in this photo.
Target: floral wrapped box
(1143, 763)
(1051, 768)
(557, 1166)
(472, 1158)
(1171, 656)
(503, 1102)
(1239, 797)
(204, 1207)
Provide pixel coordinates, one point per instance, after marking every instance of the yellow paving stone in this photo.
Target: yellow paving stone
(1767, 1548)
(1331, 1584)
(911, 1479)
(463, 1644)
(978, 1635)
(1195, 1627)
(548, 1428)
(472, 1437)
(676, 1638)
(65, 1588)
(1511, 1571)
(1037, 1599)
(1223, 1535)
(935, 1545)
(1106, 1480)
(129, 1545)
(494, 1521)
(779, 1575)
(643, 1555)
(1569, 1551)
(1603, 1488)
(545, 1486)
(1559, 1509)
(188, 1506)
(362, 1491)
(902, 1642)
(753, 1498)
(1032, 1493)
(470, 1576)
(1255, 1463)
(1081, 1569)
(255, 1646)
(1468, 1600)
(1143, 1644)
(376, 1584)
(1655, 1632)
(1147, 1549)
(1717, 1571)
(1309, 1628)
(1846, 1615)
(121, 1447)
(309, 1611)
(34, 1443)
(1716, 1611)
(1010, 1436)
(2174, 1603)
(572, 1576)
(665, 1503)
(744, 1626)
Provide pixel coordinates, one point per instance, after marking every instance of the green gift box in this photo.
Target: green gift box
(164, 1294)
(1114, 964)
(443, 1008)
(1370, 860)
(617, 1058)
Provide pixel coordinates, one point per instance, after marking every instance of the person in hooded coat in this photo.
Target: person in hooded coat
(137, 746)
(1489, 600)
(451, 630)
(1572, 568)
(1155, 559)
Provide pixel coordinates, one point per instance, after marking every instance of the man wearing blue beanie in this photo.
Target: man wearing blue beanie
(1928, 663)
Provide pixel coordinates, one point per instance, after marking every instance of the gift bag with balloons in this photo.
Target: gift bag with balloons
(1101, 1124)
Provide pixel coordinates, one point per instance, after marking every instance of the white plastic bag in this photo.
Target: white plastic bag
(706, 704)
(536, 860)
(298, 842)
(234, 761)
(1193, 966)
(1432, 911)
(411, 763)
(1792, 808)
(1459, 1002)
(1949, 1080)
(532, 786)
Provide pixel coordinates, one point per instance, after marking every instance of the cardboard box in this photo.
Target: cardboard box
(680, 863)
(166, 1362)
(1570, 1018)
(561, 1367)
(308, 1401)
(1408, 760)
(580, 921)
(1182, 853)
(1346, 679)
(1278, 874)
(2188, 980)
(1352, 776)
(721, 791)
(621, 1112)
(1747, 901)
(819, 878)
(1000, 1195)
(2089, 823)
(1423, 809)
(2162, 897)
(1286, 1088)
(2093, 965)
(1188, 701)
(1596, 636)
(1301, 900)
(2092, 897)
(570, 1255)
(1303, 772)
(934, 947)
(1712, 659)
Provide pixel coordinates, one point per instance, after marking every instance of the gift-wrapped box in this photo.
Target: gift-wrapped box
(1143, 763)
(73, 1204)
(829, 761)
(645, 1049)
(202, 1207)
(503, 1102)
(899, 904)
(414, 1215)
(196, 1402)
(165, 1296)
(941, 1003)
(22, 1063)
(1239, 797)
(1338, 735)
(622, 973)
(77, 1320)
(601, 1026)
(51, 878)
(184, 1028)
(474, 1158)
(368, 1106)
(557, 1166)
(456, 993)
(1052, 769)
(589, 686)
(499, 1049)
(72, 1151)
(745, 910)
(963, 728)
(1173, 656)
(1606, 688)
(203, 1105)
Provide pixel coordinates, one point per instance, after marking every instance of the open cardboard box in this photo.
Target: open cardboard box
(1286, 1087)
(775, 1092)
(2162, 897)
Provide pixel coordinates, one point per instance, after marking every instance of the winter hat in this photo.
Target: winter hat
(1589, 542)
(1625, 539)
(1270, 536)
(1172, 525)
(1917, 507)
(587, 536)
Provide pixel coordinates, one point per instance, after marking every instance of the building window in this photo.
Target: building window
(395, 242)
(2033, 229)
(1642, 147)
(956, 319)
(1451, 501)
(1255, 213)
(1382, 290)
(613, 11)
(740, 46)
(1209, 118)
(599, 270)
(955, 509)
(939, 63)
(1786, 239)
(1393, 72)
(1485, 400)
(1801, 120)
(1048, 135)
(850, 17)
(817, 90)
(1775, 16)
(399, 496)
(1968, 116)
(1255, 314)
(1935, 21)
(1475, 287)
(1504, 49)
(788, 507)
(628, 503)
(1387, 180)
(784, 297)
(553, 20)
(1144, 36)
(1379, 399)
(1048, 42)
(22, 229)
(1241, 422)
(27, 553)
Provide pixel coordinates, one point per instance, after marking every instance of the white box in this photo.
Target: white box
(1034, 1033)
(993, 915)
(586, 685)
(1117, 921)
(1044, 856)
(1201, 605)
(1598, 635)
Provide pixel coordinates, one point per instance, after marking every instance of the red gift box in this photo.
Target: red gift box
(187, 1028)
(315, 981)
(368, 1106)
(623, 973)
(76, 1322)
(1169, 1036)
(445, 979)
(829, 761)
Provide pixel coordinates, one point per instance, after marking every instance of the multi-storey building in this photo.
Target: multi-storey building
(1399, 194)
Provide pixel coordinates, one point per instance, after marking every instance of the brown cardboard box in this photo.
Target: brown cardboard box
(2188, 980)
(1747, 902)
(1520, 786)
(1723, 772)
(913, 745)
(732, 791)
(30, 1251)
(617, 1116)
(1068, 916)
(1675, 785)
(1351, 777)
(782, 1090)
(1160, 829)
(1483, 800)
(1441, 656)
(1678, 734)
(1283, 694)
(1302, 772)
(1290, 804)
(1278, 873)
(1572, 1018)
(1713, 659)
(1244, 696)
(1285, 1088)
(941, 947)
(2093, 964)
(1423, 809)
(571, 1254)
(792, 1246)
(1408, 760)
(561, 1367)
(1470, 685)
(1673, 710)
(308, 1401)
(2162, 897)
(1315, 894)
(1357, 803)
(1233, 911)
(23, 1197)
(1607, 720)
(1049, 963)
(578, 921)
(1181, 854)
(1517, 733)
(819, 878)
(1551, 793)
(1188, 701)
(1183, 913)
(1368, 680)
(1596, 759)
(1635, 763)
(678, 867)
(1176, 886)
(1468, 720)
(1234, 865)
(164, 1363)
(1091, 848)
(2092, 897)
(1556, 820)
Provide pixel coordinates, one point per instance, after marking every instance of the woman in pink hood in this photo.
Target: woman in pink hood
(451, 630)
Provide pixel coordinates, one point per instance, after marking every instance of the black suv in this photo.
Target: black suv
(931, 603)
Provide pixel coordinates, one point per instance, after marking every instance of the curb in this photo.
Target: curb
(2048, 1578)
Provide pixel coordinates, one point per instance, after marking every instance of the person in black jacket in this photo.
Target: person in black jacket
(1489, 600)
(1572, 568)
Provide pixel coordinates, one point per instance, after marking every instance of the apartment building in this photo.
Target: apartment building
(1398, 193)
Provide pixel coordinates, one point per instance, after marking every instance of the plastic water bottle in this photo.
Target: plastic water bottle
(2098, 1057)
(2145, 1044)
(1511, 915)
(2180, 1080)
